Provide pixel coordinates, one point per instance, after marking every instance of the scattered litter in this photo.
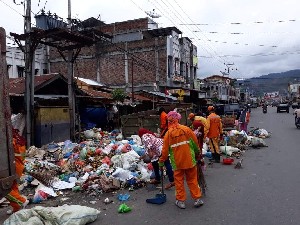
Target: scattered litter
(123, 208)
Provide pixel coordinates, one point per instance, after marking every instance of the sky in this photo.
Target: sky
(249, 38)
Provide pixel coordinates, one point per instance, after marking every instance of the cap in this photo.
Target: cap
(191, 115)
(210, 108)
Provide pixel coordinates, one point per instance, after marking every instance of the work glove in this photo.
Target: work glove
(161, 165)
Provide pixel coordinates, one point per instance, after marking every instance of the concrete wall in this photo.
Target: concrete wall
(15, 60)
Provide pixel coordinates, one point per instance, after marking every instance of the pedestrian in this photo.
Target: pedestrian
(163, 121)
(212, 133)
(180, 143)
(297, 115)
(153, 146)
(243, 120)
(110, 119)
(248, 118)
(16, 200)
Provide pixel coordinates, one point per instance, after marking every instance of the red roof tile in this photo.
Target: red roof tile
(17, 85)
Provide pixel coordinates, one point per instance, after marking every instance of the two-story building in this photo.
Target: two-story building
(140, 56)
(220, 88)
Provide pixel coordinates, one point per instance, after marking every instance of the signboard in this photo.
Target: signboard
(180, 92)
(274, 94)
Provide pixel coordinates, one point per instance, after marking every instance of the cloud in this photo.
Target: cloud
(250, 48)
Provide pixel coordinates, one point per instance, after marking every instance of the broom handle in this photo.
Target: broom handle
(162, 180)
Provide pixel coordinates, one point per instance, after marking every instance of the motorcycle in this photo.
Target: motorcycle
(264, 109)
(297, 123)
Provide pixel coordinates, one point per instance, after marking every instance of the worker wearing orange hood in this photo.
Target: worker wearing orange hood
(181, 144)
(163, 122)
(17, 201)
(213, 131)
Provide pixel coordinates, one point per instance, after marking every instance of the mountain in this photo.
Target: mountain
(272, 82)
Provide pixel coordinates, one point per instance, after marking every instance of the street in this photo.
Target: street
(264, 192)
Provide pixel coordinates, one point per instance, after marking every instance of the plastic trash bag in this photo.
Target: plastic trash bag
(257, 142)
(123, 208)
(122, 174)
(145, 174)
(229, 150)
(137, 140)
(108, 149)
(128, 158)
(117, 161)
(123, 197)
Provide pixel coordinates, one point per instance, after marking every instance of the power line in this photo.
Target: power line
(172, 21)
(11, 8)
(241, 23)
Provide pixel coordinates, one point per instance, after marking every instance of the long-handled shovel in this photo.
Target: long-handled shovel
(161, 197)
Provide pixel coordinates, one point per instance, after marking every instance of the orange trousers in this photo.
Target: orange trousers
(214, 145)
(191, 180)
(14, 197)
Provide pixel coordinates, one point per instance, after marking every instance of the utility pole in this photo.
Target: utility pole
(71, 81)
(132, 89)
(29, 81)
(228, 65)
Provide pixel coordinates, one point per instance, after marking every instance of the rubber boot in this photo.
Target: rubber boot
(217, 158)
(212, 157)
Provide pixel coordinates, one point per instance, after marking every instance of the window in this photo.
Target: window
(170, 69)
(8, 69)
(36, 71)
(181, 68)
(20, 71)
(45, 71)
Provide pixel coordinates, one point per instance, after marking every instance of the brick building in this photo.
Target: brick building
(139, 50)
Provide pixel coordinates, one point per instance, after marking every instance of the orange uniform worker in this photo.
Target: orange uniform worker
(213, 130)
(182, 145)
(17, 201)
(198, 117)
(163, 121)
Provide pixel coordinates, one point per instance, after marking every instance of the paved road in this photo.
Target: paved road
(264, 192)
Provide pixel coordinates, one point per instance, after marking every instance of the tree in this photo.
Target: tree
(118, 95)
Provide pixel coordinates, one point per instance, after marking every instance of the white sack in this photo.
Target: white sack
(62, 215)
(229, 150)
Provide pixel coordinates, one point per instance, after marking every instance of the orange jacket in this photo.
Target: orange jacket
(182, 145)
(213, 126)
(20, 152)
(163, 123)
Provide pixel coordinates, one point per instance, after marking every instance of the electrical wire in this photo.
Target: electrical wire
(240, 23)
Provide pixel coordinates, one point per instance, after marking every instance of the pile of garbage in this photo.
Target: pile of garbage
(105, 162)
(102, 162)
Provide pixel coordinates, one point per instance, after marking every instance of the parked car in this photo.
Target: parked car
(295, 105)
(283, 107)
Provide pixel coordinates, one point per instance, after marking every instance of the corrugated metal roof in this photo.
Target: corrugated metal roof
(140, 97)
(160, 94)
(97, 94)
(90, 82)
(17, 85)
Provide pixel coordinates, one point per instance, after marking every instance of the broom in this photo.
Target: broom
(161, 197)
